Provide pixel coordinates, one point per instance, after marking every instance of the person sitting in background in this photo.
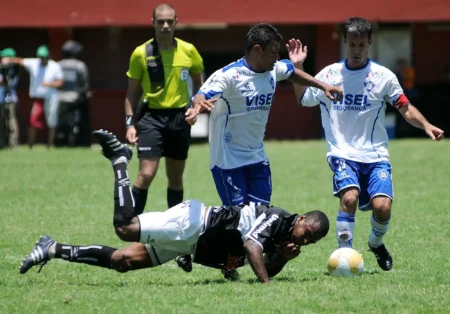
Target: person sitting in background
(46, 77)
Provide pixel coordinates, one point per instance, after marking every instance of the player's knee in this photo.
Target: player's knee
(126, 233)
(382, 207)
(120, 261)
(349, 200)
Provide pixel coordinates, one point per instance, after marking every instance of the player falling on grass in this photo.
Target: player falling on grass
(356, 135)
(240, 97)
(219, 237)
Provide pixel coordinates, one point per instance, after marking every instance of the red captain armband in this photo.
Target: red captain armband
(401, 102)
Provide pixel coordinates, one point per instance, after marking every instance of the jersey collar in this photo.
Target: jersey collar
(356, 69)
(249, 67)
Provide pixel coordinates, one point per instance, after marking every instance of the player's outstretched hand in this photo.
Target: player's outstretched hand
(191, 116)
(290, 251)
(333, 93)
(434, 133)
(297, 52)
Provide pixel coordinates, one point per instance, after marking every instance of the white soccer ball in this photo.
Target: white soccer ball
(345, 262)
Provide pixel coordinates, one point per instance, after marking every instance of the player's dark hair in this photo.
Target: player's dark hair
(357, 26)
(261, 34)
(318, 217)
(163, 6)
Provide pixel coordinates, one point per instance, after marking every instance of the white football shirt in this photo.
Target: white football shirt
(354, 127)
(42, 74)
(238, 121)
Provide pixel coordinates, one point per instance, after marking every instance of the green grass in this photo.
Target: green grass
(68, 194)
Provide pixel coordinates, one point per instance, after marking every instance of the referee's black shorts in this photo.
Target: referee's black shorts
(163, 133)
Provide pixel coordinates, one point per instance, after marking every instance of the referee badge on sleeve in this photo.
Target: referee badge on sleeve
(184, 74)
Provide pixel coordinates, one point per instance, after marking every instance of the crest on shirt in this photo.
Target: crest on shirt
(272, 82)
(184, 74)
(247, 88)
(369, 85)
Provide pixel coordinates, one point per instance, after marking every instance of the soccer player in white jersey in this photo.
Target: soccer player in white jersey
(356, 135)
(241, 94)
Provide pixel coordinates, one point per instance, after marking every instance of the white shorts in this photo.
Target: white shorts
(51, 106)
(174, 232)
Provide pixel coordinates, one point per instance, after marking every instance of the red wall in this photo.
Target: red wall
(431, 54)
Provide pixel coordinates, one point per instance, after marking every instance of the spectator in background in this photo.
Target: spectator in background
(73, 121)
(9, 78)
(46, 77)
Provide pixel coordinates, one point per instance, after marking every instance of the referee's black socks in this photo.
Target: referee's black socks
(174, 197)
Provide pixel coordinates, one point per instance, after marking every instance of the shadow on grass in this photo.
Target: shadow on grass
(176, 283)
(251, 281)
(366, 272)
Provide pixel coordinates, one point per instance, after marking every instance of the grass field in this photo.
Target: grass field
(68, 194)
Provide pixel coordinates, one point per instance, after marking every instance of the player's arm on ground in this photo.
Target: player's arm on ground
(255, 258)
(261, 235)
(395, 96)
(276, 263)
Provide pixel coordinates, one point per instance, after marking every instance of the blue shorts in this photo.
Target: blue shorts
(371, 179)
(252, 183)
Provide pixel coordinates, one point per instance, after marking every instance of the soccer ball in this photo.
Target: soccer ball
(345, 262)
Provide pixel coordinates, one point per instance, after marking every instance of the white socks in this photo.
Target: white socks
(345, 224)
(378, 231)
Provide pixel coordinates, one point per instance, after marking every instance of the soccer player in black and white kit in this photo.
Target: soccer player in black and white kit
(219, 237)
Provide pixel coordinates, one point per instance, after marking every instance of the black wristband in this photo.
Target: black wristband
(129, 121)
